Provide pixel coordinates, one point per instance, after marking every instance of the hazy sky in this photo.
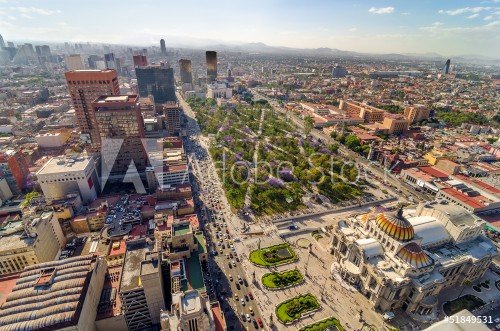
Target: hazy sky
(448, 27)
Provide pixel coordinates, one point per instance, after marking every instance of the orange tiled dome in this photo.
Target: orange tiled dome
(396, 226)
(415, 256)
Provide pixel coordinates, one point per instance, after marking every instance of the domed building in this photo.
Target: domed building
(405, 259)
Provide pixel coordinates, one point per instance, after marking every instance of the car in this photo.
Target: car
(223, 246)
(246, 297)
(237, 258)
(259, 321)
(250, 295)
(243, 317)
(221, 251)
(389, 315)
(229, 265)
(242, 301)
(248, 318)
(251, 310)
(238, 287)
(245, 282)
(230, 278)
(293, 227)
(236, 296)
(255, 324)
(234, 264)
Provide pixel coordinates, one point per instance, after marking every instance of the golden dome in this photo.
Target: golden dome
(413, 254)
(396, 226)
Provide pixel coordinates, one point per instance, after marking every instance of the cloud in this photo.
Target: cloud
(473, 16)
(384, 10)
(353, 29)
(464, 10)
(405, 14)
(34, 10)
(27, 16)
(437, 28)
(487, 18)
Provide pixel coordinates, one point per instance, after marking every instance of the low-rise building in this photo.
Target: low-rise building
(56, 295)
(63, 175)
(31, 241)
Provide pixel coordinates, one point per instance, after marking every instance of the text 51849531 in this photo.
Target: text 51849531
(468, 319)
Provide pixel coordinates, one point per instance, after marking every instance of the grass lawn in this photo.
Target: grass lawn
(273, 255)
(322, 325)
(281, 279)
(468, 302)
(292, 309)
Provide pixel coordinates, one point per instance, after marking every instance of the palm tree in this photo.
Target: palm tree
(465, 284)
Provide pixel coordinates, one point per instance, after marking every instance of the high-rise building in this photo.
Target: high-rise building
(38, 50)
(141, 287)
(446, 68)
(14, 168)
(84, 87)
(140, 61)
(74, 62)
(339, 72)
(10, 44)
(162, 47)
(110, 61)
(172, 118)
(93, 61)
(25, 55)
(2, 43)
(186, 71)
(211, 57)
(157, 81)
(46, 50)
(121, 130)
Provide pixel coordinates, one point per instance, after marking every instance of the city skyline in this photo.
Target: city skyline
(445, 27)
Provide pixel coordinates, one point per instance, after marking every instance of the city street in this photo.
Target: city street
(230, 281)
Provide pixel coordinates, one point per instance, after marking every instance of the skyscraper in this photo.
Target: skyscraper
(186, 71)
(119, 119)
(162, 47)
(157, 81)
(74, 62)
(93, 61)
(110, 61)
(140, 61)
(446, 68)
(211, 57)
(339, 72)
(2, 43)
(84, 87)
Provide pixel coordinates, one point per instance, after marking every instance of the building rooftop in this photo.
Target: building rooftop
(57, 165)
(134, 256)
(182, 229)
(110, 304)
(191, 302)
(48, 295)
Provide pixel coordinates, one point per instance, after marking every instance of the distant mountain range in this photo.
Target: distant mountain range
(259, 47)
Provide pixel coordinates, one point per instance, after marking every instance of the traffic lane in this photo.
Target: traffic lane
(240, 289)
